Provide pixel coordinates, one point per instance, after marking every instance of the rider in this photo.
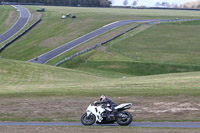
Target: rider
(105, 100)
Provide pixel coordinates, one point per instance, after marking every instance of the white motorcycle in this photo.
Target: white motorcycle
(102, 114)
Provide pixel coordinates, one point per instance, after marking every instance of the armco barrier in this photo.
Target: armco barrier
(98, 45)
(18, 36)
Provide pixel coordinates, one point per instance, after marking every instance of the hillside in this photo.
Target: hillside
(32, 92)
(155, 67)
(8, 17)
(21, 78)
(174, 43)
(53, 31)
(148, 50)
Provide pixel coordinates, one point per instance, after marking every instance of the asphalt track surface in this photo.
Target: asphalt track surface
(18, 26)
(134, 124)
(42, 59)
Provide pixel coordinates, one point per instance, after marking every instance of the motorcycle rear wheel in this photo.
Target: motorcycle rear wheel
(125, 121)
(88, 121)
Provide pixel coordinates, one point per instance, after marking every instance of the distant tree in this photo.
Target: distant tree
(134, 3)
(174, 5)
(105, 3)
(91, 3)
(158, 4)
(112, 1)
(125, 2)
(165, 4)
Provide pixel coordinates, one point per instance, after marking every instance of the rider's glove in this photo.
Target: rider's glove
(95, 103)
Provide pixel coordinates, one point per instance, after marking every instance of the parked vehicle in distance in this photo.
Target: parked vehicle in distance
(41, 10)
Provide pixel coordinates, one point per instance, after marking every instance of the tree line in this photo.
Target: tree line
(83, 3)
(195, 4)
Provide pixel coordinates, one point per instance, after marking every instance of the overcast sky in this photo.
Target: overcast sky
(150, 2)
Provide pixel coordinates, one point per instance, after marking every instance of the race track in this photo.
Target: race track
(134, 124)
(42, 59)
(21, 22)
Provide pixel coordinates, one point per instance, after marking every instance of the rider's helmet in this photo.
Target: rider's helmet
(102, 97)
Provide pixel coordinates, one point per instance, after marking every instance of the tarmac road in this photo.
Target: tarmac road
(42, 59)
(21, 22)
(134, 124)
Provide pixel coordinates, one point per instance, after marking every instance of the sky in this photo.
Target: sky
(149, 2)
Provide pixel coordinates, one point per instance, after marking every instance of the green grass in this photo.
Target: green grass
(5, 11)
(123, 68)
(146, 77)
(19, 79)
(167, 43)
(33, 18)
(167, 48)
(53, 31)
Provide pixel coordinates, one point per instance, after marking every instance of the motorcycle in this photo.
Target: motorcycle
(102, 114)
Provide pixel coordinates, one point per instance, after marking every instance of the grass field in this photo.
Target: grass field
(8, 17)
(34, 16)
(39, 41)
(161, 77)
(174, 43)
(32, 79)
(167, 48)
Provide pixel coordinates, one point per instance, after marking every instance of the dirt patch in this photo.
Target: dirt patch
(12, 17)
(142, 28)
(35, 16)
(105, 50)
(172, 108)
(3, 71)
(169, 107)
(71, 108)
(46, 129)
(113, 67)
(61, 39)
(53, 42)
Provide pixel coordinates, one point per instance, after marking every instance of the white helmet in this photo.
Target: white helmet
(102, 97)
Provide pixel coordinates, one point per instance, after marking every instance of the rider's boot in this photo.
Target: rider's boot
(108, 115)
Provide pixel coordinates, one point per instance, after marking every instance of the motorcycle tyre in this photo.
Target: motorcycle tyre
(88, 124)
(127, 122)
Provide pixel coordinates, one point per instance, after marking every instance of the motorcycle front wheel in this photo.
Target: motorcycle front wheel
(88, 121)
(125, 119)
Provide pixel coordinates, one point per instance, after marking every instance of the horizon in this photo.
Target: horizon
(150, 3)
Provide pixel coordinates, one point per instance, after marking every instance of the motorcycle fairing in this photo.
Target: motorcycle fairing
(97, 111)
(123, 106)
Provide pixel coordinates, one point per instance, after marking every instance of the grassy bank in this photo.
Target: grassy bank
(156, 49)
(60, 31)
(8, 17)
(20, 78)
(167, 43)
